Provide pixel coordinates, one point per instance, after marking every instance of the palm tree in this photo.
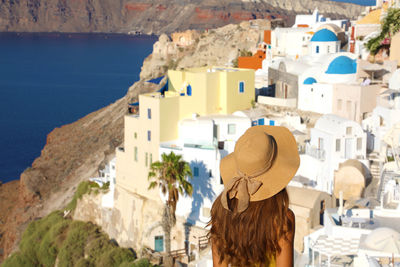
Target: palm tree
(390, 26)
(170, 175)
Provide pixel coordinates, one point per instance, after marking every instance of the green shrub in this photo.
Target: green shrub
(84, 263)
(105, 186)
(115, 257)
(72, 243)
(83, 188)
(17, 259)
(73, 247)
(245, 53)
(141, 263)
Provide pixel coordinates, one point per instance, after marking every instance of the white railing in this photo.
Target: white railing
(315, 152)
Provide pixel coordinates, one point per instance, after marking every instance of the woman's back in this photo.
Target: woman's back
(251, 223)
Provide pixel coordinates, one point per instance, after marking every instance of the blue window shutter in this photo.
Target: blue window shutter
(271, 123)
(196, 171)
(317, 49)
(261, 121)
(189, 90)
(149, 113)
(241, 87)
(148, 135)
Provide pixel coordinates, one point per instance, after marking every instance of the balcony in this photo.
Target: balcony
(315, 152)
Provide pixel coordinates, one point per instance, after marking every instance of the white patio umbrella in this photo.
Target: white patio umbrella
(384, 240)
(392, 139)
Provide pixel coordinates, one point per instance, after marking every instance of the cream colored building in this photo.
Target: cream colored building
(201, 91)
(395, 48)
(308, 205)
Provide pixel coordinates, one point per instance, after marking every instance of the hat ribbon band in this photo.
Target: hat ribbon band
(242, 186)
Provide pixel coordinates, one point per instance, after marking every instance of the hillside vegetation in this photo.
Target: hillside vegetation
(57, 240)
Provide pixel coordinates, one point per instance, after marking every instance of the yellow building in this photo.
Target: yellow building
(203, 91)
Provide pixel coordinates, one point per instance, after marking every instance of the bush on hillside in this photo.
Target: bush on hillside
(83, 188)
(70, 243)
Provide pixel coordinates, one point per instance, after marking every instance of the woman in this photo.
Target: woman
(251, 223)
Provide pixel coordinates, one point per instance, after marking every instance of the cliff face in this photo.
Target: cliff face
(76, 151)
(154, 16)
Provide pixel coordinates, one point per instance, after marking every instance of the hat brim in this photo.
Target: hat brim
(283, 169)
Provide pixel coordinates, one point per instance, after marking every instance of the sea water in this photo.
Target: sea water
(359, 2)
(48, 80)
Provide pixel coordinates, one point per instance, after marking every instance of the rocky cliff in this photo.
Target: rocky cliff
(76, 151)
(152, 16)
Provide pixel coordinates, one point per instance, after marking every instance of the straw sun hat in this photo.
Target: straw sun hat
(263, 162)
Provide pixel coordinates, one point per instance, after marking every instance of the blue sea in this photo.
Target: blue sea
(359, 2)
(48, 80)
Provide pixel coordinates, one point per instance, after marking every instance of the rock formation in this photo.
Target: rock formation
(154, 16)
(76, 151)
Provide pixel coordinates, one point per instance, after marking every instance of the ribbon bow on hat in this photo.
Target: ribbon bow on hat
(241, 187)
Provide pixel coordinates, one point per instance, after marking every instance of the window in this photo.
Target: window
(337, 145)
(317, 49)
(359, 143)
(241, 87)
(148, 135)
(149, 113)
(147, 159)
(136, 153)
(135, 135)
(231, 128)
(221, 144)
(196, 171)
(327, 49)
(348, 106)
(189, 90)
(348, 130)
(339, 104)
(151, 158)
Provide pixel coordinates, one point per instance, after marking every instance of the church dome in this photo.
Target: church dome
(309, 80)
(324, 35)
(342, 65)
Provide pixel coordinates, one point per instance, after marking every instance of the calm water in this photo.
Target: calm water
(50, 80)
(359, 2)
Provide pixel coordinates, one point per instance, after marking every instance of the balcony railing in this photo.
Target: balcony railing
(315, 152)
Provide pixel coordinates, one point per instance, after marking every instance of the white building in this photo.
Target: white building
(107, 175)
(333, 141)
(386, 114)
(203, 142)
(315, 20)
(290, 42)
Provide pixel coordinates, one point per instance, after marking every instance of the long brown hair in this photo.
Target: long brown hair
(250, 237)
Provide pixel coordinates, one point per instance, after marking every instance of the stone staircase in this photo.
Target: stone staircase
(372, 190)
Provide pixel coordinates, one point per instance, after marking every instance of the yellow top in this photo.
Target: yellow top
(271, 264)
